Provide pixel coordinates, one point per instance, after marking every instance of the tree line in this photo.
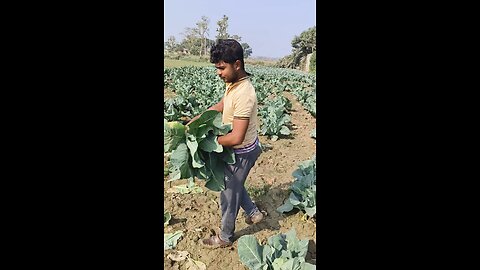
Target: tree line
(302, 45)
(196, 42)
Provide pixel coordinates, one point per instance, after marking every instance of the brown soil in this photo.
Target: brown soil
(198, 215)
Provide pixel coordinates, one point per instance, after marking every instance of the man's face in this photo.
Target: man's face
(227, 72)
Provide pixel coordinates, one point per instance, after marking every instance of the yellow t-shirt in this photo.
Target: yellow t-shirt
(240, 100)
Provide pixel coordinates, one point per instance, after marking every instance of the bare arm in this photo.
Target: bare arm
(217, 107)
(236, 137)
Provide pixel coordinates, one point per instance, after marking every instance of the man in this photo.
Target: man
(239, 108)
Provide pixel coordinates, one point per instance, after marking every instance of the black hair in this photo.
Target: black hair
(227, 50)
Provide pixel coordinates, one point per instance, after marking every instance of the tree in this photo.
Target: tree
(302, 46)
(170, 44)
(222, 29)
(307, 41)
(192, 40)
(210, 43)
(202, 27)
(313, 62)
(237, 38)
(247, 50)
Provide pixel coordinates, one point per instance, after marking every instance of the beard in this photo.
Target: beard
(231, 79)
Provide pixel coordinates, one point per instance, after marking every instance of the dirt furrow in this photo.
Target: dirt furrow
(198, 214)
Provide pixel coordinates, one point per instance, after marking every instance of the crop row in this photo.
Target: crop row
(198, 88)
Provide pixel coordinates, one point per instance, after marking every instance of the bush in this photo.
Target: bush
(283, 62)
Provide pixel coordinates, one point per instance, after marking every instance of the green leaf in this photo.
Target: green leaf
(171, 239)
(204, 123)
(201, 173)
(267, 254)
(286, 207)
(193, 146)
(210, 144)
(263, 129)
(287, 254)
(250, 252)
(284, 130)
(302, 248)
(179, 167)
(309, 266)
(291, 264)
(214, 185)
(298, 248)
(304, 187)
(166, 218)
(277, 242)
(279, 262)
(173, 135)
(228, 155)
(217, 121)
(216, 172)
(311, 211)
(294, 200)
(292, 240)
(223, 130)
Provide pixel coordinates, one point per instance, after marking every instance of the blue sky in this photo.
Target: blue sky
(268, 26)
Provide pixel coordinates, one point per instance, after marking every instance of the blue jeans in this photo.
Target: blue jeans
(235, 195)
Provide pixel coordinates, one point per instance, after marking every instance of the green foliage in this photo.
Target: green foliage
(170, 239)
(247, 50)
(285, 62)
(192, 41)
(179, 106)
(202, 27)
(275, 118)
(301, 46)
(174, 134)
(195, 41)
(304, 189)
(171, 44)
(307, 41)
(282, 251)
(313, 62)
(166, 218)
(222, 29)
(308, 98)
(236, 37)
(198, 88)
(196, 152)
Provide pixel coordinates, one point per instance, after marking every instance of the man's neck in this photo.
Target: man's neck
(242, 74)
